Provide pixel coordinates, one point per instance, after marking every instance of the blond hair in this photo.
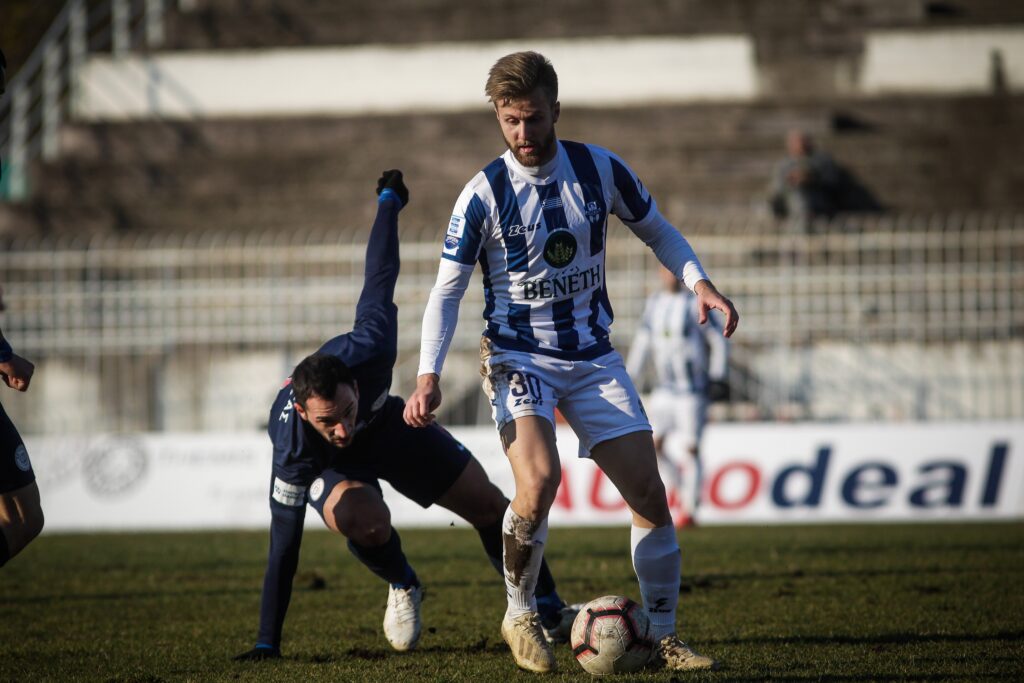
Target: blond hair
(517, 75)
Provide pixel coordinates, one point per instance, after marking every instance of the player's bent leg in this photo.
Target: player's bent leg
(474, 498)
(631, 465)
(529, 443)
(357, 511)
(21, 520)
(478, 501)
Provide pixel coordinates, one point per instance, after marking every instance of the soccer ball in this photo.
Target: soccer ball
(611, 635)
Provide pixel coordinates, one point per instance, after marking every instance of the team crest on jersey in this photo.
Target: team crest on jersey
(560, 248)
(593, 212)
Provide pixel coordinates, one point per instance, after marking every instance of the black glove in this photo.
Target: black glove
(258, 654)
(393, 181)
(718, 391)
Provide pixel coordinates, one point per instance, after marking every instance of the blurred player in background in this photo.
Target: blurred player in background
(21, 515)
(690, 363)
(536, 219)
(336, 432)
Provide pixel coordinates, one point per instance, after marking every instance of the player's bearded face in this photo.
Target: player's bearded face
(335, 418)
(528, 126)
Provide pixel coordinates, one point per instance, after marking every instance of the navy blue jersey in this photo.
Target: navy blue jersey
(15, 467)
(300, 454)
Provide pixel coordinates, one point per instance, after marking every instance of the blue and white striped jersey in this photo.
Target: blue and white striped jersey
(539, 237)
(686, 355)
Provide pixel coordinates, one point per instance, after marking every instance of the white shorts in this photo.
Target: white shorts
(597, 397)
(682, 413)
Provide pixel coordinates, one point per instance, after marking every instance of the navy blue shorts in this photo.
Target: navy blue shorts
(15, 467)
(421, 464)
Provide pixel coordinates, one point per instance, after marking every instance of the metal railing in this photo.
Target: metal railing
(39, 97)
(907, 318)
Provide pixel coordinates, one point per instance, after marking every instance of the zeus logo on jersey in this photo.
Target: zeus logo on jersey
(516, 230)
(594, 212)
(562, 285)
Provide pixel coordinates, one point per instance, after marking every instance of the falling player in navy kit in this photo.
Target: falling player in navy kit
(21, 516)
(535, 220)
(336, 432)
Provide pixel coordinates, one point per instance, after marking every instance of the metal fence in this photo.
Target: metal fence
(904, 317)
(39, 97)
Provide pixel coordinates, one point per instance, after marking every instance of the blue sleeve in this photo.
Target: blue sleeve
(282, 562)
(376, 313)
(375, 332)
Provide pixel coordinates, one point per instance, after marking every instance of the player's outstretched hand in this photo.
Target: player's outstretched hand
(419, 409)
(707, 298)
(258, 654)
(392, 180)
(17, 373)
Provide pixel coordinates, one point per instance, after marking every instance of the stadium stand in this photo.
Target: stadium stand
(182, 254)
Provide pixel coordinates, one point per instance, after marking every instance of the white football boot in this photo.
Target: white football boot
(525, 637)
(675, 655)
(402, 622)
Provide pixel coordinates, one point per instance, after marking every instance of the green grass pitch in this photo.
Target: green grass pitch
(933, 602)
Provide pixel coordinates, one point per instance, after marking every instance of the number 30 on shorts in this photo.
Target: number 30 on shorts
(525, 388)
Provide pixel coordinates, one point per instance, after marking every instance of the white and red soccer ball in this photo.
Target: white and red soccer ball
(611, 635)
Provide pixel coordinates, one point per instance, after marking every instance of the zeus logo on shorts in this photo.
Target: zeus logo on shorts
(525, 389)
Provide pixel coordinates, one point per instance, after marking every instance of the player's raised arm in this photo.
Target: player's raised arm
(382, 259)
(375, 333)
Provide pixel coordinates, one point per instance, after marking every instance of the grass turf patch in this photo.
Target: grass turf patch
(932, 602)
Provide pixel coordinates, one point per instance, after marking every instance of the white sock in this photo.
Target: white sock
(522, 552)
(656, 560)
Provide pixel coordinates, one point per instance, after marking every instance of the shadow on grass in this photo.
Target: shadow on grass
(712, 578)
(481, 646)
(854, 678)
(880, 639)
(121, 597)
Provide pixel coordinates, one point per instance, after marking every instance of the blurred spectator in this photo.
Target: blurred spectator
(809, 184)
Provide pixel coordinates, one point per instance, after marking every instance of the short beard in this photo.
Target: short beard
(545, 153)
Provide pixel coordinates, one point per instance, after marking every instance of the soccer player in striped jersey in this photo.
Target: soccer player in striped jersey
(535, 220)
(690, 362)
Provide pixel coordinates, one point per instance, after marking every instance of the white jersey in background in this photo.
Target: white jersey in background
(686, 355)
(539, 237)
